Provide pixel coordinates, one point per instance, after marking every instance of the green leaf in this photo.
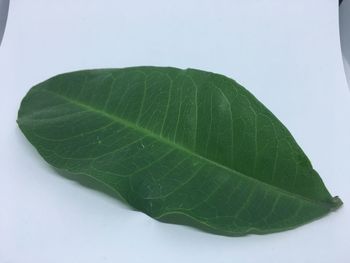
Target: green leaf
(183, 146)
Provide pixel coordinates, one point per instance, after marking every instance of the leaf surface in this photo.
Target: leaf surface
(183, 146)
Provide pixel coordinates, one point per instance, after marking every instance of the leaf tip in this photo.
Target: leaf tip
(336, 203)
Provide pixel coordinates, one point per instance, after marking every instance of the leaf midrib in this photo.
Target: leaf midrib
(145, 131)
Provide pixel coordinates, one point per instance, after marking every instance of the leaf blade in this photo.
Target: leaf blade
(147, 134)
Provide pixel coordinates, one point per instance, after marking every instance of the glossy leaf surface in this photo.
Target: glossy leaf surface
(185, 146)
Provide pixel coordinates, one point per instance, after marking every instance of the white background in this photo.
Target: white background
(287, 53)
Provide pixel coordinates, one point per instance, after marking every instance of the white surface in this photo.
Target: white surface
(286, 52)
(344, 25)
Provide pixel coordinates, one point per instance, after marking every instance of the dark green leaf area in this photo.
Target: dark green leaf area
(185, 146)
